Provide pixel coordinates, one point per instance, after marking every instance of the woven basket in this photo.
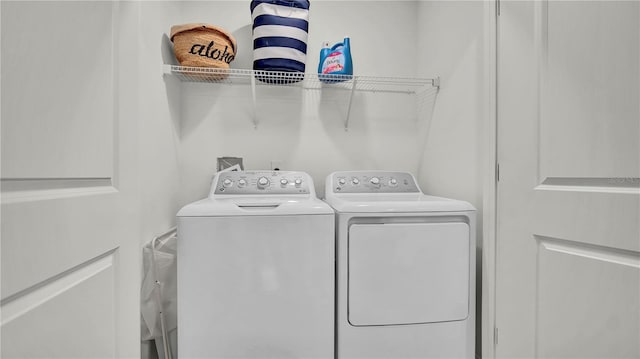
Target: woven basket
(204, 45)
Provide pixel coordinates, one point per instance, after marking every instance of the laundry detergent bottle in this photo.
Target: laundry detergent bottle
(335, 62)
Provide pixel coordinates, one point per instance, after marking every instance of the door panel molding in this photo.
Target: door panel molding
(79, 321)
(26, 300)
(608, 219)
(591, 251)
(625, 185)
(17, 190)
(587, 300)
(541, 51)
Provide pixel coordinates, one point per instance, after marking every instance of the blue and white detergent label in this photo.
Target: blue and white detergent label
(334, 62)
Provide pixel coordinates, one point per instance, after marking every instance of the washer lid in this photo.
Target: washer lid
(258, 193)
(252, 206)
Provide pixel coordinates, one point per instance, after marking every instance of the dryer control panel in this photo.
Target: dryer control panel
(261, 182)
(374, 182)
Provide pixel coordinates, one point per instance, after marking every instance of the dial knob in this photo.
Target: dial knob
(298, 182)
(227, 182)
(374, 181)
(284, 182)
(263, 182)
(355, 181)
(342, 181)
(242, 182)
(393, 182)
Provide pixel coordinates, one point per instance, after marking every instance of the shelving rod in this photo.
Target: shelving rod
(353, 90)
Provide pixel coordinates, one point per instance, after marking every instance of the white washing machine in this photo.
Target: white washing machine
(256, 269)
(405, 269)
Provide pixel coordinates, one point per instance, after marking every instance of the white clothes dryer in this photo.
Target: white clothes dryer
(405, 268)
(256, 269)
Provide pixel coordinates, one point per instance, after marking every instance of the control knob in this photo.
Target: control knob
(227, 182)
(284, 182)
(374, 181)
(263, 182)
(393, 182)
(242, 182)
(298, 182)
(355, 181)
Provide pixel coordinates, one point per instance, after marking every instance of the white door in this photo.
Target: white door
(568, 241)
(70, 274)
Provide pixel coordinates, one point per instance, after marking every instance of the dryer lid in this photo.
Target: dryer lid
(396, 204)
(385, 192)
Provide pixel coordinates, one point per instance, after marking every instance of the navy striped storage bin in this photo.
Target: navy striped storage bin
(280, 32)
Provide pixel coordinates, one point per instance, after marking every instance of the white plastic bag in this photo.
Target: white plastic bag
(158, 295)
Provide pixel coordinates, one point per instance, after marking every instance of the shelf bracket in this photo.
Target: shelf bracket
(353, 90)
(253, 101)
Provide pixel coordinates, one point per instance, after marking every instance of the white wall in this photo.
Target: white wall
(305, 128)
(159, 124)
(452, 45)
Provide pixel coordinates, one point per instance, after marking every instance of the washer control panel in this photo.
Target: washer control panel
(374, 182)
(261, 182)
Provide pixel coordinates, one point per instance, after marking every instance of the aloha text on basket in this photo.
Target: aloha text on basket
(211, 52)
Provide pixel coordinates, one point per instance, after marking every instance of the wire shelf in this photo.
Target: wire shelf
(304, 80)
(423, 88)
